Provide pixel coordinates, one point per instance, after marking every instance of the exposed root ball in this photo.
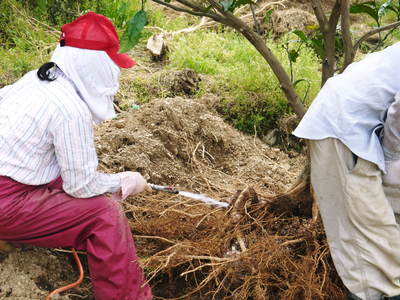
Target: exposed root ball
(262, 247)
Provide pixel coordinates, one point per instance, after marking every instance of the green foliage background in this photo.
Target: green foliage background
(250, 97)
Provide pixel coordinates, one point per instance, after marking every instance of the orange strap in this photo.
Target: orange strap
(72, 285)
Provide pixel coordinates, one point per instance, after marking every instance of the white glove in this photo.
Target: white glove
(392, 176)
(132, 183)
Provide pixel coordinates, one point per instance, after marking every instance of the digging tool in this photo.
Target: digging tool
(201, 197)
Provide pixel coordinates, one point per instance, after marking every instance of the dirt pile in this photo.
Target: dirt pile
(283, 21)
(262, 247)
(183, 142)
(265, 245)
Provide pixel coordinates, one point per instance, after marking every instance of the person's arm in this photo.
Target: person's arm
(391, 143)
(77, 158)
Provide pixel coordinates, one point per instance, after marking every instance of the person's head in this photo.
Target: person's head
(88, 56)
(95, 32)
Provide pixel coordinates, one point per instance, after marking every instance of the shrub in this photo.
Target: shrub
(250, 95)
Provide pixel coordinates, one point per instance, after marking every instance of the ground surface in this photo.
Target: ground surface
(175, 141)
(262, 247)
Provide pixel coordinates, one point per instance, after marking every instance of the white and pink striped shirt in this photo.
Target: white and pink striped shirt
(46, 131)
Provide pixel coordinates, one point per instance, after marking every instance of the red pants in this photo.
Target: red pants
(46, 216)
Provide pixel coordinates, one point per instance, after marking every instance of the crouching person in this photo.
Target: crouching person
(354, 132)
(51, 194)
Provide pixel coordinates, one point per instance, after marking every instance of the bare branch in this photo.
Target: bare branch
(335, 15)
(177, 8)
(192, 12)
(329, 35)
(372, 32)
(259, 43)
(256, 24)
(191, 5)
(319, 13)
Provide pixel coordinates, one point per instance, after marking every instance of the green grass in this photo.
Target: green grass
(157, 17)
(250, 93)
(24, 43)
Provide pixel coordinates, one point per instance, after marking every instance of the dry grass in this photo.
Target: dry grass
(193, 251)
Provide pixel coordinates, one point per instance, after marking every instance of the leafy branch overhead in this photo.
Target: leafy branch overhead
(332, 43)
(132, 34)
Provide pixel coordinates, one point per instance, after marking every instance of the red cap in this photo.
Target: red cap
(95, 32)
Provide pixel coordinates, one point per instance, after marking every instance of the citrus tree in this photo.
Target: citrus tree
(333, 41)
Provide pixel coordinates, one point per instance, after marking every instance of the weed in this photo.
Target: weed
(120, 11)
(25, 42)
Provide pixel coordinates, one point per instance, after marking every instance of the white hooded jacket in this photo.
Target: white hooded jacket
(94, 75)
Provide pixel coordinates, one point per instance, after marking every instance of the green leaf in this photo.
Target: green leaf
(301, 35)
(293, 55)
(318, 45)
(384, 7)
(227, 4)
(132, 34)
(368, 8)
(267, 17)
(394, 9)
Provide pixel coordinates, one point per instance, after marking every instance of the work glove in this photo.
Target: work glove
(132, 183)
(392, 176)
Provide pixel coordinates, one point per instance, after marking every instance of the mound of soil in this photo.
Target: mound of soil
(183, 142)
(283, 21)
(265, 245)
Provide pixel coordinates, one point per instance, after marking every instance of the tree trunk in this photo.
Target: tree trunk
(284, 80)
(346, 35)
(256, 40)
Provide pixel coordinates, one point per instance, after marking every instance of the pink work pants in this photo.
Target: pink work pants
(46, 216)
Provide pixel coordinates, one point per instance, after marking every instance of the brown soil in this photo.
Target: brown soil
(266, 245)
(32, 273)
(183, 142)
(263, 247)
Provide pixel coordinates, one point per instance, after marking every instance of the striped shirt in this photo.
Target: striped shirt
(46, 131)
